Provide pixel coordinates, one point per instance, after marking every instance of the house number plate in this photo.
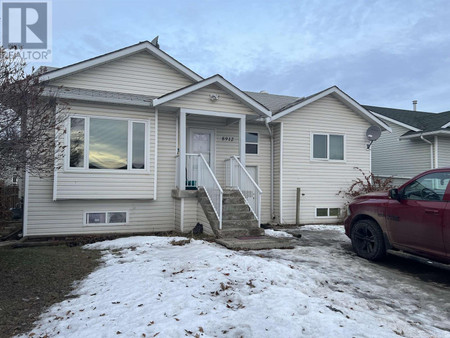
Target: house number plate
(227, 138)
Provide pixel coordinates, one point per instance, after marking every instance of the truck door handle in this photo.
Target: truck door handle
(432, 211)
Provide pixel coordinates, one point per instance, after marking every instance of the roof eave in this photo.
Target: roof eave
(407, 126)
(428, 133)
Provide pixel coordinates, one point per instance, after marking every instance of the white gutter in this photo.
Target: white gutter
(436, 152)
(266, 121)
(431, 149)
(155, 174)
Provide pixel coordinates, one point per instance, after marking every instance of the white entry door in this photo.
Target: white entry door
(201, 141)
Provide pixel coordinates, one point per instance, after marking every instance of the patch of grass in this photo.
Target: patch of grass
(32, 279)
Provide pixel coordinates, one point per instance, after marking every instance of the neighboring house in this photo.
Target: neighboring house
(144, 132)
(419, 141)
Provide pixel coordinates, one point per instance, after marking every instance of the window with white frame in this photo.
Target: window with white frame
(106, 217)
(328, 147)
(328, 212)
(251, 143)
(107, 143)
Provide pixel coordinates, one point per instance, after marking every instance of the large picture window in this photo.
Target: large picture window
(328, 147)
(109, 144)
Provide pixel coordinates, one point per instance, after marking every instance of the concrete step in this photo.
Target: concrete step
(257, 243)
(233, 200)
(240, 232)
(253, 223)
(237, 215)
(235, 207)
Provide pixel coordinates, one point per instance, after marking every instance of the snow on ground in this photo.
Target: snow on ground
(147, 286)
(273, 233)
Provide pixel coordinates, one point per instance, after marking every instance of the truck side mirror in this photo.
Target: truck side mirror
(394, 194)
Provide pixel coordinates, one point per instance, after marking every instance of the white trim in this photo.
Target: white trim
(401, 124)
(428, 133)
(182, 215)
(281, 172)
(119, 54)
(155, 161)
(216, 79)
(85, 223)
(446, 125)
(344, 97)
(129, 169)
(211, 113)
(242, 135)
(212, 144)
(436, 152)
(182, 151)
(257, 142)
(312, 158)
(25, 204)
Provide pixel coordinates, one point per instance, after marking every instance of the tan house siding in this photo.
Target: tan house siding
(200, 99)
(46, 217)
(404, 158)
(320, 181)
(262, 161)
(91, 184)
(140, 73)
(443, 152)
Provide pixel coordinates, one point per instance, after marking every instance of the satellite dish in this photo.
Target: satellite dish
(373, 133)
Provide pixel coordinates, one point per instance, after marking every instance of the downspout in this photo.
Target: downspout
(431, 149)
(266, 121)
(436, 152)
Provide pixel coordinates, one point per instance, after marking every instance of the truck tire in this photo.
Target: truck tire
(367, 240)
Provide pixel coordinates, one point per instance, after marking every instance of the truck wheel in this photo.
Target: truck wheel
(367, 240)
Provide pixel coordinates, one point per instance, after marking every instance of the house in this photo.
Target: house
(419, 141)
(144, 132)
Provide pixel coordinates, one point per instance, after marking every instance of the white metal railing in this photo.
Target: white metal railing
(200, 175)
(208, 181)
(238, 177)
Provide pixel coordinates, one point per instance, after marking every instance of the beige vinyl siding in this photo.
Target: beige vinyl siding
(262, 161)
(139, 73)
(403, 158)
(92, 184)
(200, 99)
(46, 217)
(320, 181)
(276, 170)
(443, 152)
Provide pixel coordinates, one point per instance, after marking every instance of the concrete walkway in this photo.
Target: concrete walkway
(257, 243)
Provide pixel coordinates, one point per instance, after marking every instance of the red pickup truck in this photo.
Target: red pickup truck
(413, 219)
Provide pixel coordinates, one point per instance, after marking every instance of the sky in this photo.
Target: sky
(384, 53)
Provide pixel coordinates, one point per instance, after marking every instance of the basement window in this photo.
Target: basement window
(328, 212)
(106, 217)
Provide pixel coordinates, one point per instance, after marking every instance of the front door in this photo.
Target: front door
(201, 141)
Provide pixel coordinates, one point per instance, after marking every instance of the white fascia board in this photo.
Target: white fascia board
(116, 55)
(429, 133)
(401, 124)
(334, 90)
(446, 125)
(223, 84)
